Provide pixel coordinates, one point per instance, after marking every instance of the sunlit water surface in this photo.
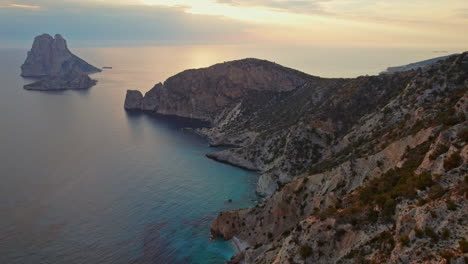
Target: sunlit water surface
(82, 181)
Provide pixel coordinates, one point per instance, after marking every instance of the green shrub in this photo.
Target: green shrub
(453, 161)
(463, 135)
(447, 255)
(430, 233)
(436, 192)
(439, 150)
(372, 216)
(404, 240)
(419, 233)
(463, 246)
(421, 202)
(388, 209)
(305, 251)
(448, 118)
(423, 180)
(445, 234)
(452, 120)
(451, 205)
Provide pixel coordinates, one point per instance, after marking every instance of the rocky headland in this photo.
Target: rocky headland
(204, 93)
(415, 65)
(56, 68)
(361, 170)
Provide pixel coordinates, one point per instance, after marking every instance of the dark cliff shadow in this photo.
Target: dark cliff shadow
(169, 121)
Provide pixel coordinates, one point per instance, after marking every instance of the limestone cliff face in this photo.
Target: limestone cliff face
(51, 61)
(389, 185)
(51, 57)
(203, 93)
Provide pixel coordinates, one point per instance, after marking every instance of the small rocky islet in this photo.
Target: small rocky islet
(359, 170)
(56, 68)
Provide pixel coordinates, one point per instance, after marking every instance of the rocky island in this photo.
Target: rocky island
(360, 170)
(50, 61)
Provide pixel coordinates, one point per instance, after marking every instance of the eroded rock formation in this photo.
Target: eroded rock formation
(51, 61)
(133, 100)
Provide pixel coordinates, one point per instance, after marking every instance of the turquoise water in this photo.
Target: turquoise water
(82, 181)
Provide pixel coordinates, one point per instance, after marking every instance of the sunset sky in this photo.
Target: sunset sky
(392, 23)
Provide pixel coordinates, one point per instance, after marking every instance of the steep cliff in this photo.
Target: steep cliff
(133, 100)
(391, 186)
(51, 57)
(51, 61)
(203, 93)
(362, 170)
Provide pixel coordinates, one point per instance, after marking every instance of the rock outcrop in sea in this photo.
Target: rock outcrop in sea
(133, 100)
(361, 170)
(55, 66)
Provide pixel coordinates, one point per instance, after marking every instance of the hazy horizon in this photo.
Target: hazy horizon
(436, 25)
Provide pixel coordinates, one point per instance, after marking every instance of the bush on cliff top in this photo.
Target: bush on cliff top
(452, 162)
(463, 245)
(305, 251)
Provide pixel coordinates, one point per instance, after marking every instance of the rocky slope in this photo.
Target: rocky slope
(391, 186)
(51, 61)
(351, 168)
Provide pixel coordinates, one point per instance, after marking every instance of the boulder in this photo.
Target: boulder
(133, 100)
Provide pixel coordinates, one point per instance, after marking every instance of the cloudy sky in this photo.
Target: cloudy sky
(438, 24)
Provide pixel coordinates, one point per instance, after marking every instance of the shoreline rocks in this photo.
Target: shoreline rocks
(133, 100)
(74, 79)
(225, 157)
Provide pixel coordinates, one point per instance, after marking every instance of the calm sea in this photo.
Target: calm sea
(82, 181)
